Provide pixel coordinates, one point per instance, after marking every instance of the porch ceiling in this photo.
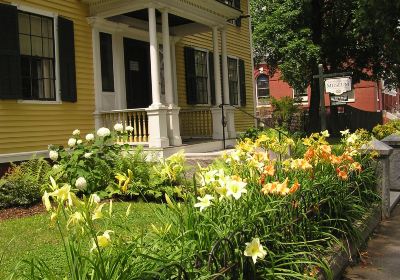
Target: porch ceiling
(205, 12)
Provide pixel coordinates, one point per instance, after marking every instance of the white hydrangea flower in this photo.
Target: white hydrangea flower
(81, 183)
(90, 137)
(118, 127)
(103, 132)
(56, 167)
(71, 142)
(76, 132)
(87, 155)
(96, 198)
(53, 155)
(79, 142)
(129, 128)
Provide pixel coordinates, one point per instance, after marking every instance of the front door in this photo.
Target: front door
(137, 73)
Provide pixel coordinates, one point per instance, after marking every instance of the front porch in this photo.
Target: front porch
(142, 90)
(195, 125)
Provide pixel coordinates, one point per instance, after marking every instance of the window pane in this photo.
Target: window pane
(45, 28)
(50, 28)
(23, 23)
(46, 51)
(36, 25)
(25, 44)
(37, 46)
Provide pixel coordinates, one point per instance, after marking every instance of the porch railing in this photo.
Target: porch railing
(135, 118)
(196, 123)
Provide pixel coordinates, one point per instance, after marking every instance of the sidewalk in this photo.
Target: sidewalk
(382, 259)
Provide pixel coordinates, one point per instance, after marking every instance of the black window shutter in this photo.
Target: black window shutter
(67, 59)
(190, 73)
(211, 77)
(236, 4)
(10, 61)
(242, 81)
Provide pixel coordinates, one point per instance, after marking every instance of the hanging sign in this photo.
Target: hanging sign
(338, 86)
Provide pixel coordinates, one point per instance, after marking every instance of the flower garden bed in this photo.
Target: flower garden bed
(246, 216)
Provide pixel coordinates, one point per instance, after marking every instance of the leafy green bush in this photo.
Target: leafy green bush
(284, 110)
(384, 130)
(22, 185)
(88, 164)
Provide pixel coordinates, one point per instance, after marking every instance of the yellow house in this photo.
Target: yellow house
(162, 67)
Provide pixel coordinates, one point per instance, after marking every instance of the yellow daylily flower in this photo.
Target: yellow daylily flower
(204, 202)
(75, 219)
(102, 240)
(255, 250)
(46, 201)
(97, 212)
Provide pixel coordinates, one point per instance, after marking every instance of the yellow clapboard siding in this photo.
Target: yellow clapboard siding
(28, 127)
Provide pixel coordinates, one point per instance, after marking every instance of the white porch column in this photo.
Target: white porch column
(218, 131)
(154, 62)
(230, 111)
(98, 120)
(156, 113)
(217, 70)
(225, 81)
(173, 129)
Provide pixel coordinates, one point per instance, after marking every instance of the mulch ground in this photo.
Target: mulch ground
(20, 212)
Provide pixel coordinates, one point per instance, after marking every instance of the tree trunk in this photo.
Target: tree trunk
(316, 26)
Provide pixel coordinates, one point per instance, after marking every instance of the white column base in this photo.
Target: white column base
(174, 131)
(98, 120)
(157, 117)
(216, 113)
(230, 118)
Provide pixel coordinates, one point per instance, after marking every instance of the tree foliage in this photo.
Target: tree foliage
(361, 36)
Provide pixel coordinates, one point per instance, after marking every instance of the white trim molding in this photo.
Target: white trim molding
(5, 158)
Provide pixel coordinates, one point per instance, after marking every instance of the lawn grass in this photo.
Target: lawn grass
(33, 238)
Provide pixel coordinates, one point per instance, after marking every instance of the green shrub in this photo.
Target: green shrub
(284, 110)
(22, 185)
(381, 131)
(88, 165)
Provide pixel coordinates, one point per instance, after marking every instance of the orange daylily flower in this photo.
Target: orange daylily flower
(294, 187)
(269, 187)
(342, 174)
(336, 159)
(356, 166)
(270, 170)
(309, 154)
(325, 151)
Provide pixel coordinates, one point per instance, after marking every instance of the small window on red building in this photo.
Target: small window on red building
(263, 93)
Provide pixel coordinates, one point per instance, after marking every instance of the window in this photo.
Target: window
(233, 78)
(36, 40)
(200, 84)
(201, 73)
(300, 96)
(263, 86)
(106, 58)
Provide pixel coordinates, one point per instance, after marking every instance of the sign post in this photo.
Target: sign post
(321, 77)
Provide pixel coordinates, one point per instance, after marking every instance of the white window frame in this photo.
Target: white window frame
(304, 98)
(54, 16)
(262, 74)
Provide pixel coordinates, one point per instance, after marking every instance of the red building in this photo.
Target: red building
(367, 96)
